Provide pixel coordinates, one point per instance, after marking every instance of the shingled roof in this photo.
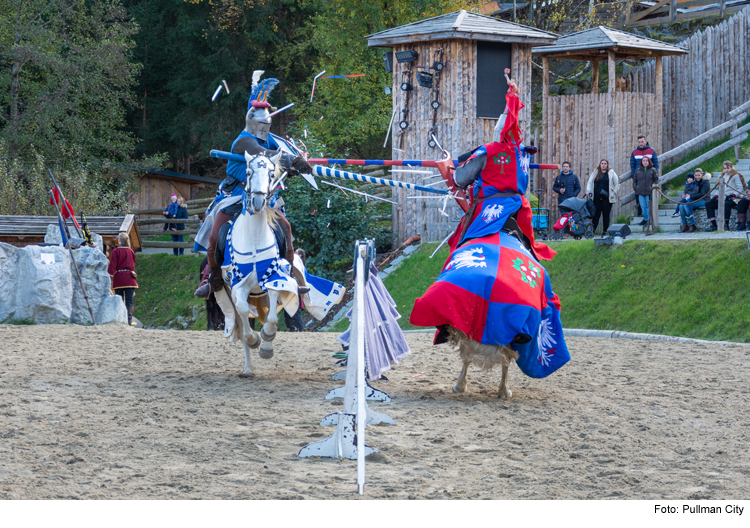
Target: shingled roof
(587, 43)
(462, 25)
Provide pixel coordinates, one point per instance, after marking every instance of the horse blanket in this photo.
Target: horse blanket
(496, 292)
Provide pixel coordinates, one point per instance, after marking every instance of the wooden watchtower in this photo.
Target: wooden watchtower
(586, 128)
(465, 54)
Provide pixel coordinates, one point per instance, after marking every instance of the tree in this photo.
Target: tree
(65, 79)
(187, 48)
(351, 116)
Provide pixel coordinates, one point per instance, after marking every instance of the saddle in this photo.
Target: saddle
(224, 231)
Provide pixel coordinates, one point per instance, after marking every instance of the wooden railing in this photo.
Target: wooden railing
(737, 136)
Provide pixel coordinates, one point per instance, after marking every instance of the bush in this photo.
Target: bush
(327, 234)
(25, 186)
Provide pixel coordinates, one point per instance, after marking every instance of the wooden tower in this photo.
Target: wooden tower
(463, 54)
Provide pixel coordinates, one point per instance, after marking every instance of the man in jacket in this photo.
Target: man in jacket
(643, 149)
(566, 184)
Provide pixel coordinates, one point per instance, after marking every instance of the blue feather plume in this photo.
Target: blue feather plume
(262, 90)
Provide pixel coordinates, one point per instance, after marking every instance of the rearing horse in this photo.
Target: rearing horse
(259, 279)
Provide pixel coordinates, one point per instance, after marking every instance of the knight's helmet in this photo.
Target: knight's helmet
(257, 120)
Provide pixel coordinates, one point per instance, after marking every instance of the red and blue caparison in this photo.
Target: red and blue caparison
(492, 286)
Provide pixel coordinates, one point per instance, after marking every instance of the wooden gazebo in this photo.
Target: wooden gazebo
(587, 128)
(469, 87)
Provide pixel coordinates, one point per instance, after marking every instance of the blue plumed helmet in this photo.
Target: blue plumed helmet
(261, 91)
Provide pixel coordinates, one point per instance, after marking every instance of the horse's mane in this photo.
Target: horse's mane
(273, 219)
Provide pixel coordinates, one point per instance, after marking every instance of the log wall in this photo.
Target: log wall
(458, 129)
(157, 193)
(576, 129)
(701, 87)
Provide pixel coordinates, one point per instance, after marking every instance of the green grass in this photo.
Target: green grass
(689, 289)
(166, 285)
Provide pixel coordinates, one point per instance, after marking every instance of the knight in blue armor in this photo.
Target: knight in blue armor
(254, 139)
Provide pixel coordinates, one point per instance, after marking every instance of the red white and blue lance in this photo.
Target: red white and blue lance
(404, 163)
(315, 80)
(335, 173)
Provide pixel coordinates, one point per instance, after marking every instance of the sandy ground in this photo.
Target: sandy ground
(115, 413)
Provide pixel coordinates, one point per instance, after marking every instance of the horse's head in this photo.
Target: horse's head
(260, 171)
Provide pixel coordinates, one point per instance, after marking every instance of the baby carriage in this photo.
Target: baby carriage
(575, 219)
(540, 217)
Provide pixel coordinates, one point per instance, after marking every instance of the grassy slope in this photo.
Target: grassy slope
(166, 285)
(690, 289)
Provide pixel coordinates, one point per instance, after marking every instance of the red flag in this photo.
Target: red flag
(65, 209)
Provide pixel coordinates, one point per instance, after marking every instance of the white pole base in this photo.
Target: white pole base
(371, 393)
(342, 444)
(339, 376)
(372, 417)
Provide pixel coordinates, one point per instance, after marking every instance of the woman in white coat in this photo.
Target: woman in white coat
(603, 187)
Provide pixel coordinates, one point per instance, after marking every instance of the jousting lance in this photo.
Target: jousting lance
(404, 163)
(335, 173)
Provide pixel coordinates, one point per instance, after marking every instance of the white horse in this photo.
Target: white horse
(260, 279)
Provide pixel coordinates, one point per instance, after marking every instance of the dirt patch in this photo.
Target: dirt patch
(113, 413)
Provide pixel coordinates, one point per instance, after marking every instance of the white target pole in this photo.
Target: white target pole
(359, 290)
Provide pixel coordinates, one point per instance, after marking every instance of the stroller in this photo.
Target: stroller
(576, 217)
(540, 217)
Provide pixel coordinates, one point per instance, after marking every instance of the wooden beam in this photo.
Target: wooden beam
(639, 15)
(611, 87)
(700, 159)
(685, 16)
(545, 79)
(659, 81)
(739, 110)
(706, 136)
(595, 77)
(673, 10)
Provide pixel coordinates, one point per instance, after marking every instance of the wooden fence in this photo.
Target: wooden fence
(701, 87)
(151, 226)
(576, 129)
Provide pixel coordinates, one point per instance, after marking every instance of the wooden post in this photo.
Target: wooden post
(673, 10)
(595, 77)
(723, 8)
(654, 210)
(611, 87)
(659, 92)
(720, 212)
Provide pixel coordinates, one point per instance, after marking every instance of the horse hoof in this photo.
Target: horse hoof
(265, 353)
(247, 375)
(456, 388)
(253, 344)
(505, 395)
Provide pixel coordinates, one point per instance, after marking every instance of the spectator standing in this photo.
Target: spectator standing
(566, 184)
(642, 150)
(171, 212)
(603, 187)
(736, 188)
(181, 214)
(122, 273)
(695, 199)
(644, 178)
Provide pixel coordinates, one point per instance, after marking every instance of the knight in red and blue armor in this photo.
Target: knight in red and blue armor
(492, 286)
